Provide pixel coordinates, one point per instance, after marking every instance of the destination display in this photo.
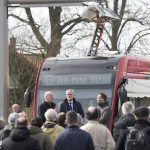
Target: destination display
(75, 79)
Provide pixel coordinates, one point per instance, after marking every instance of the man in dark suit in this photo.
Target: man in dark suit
(48, 103)
(70, 103)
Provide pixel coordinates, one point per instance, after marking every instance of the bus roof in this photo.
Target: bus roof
(80, 58)
(139, 57)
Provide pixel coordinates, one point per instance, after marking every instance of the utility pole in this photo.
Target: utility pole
(3, 60)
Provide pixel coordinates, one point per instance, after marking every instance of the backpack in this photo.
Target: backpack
(136, 140)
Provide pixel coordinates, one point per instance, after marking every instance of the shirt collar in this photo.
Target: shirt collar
(70, 101)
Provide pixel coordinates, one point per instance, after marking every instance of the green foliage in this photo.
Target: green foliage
(22, 75)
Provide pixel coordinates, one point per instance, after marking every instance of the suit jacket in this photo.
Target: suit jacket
(64, 107)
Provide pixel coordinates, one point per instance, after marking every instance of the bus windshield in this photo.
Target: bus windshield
(87, 97)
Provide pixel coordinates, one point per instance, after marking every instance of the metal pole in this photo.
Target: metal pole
(3, 60)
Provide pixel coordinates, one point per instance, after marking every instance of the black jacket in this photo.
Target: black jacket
(139, 124)
(4, 133)
(64, 107)
(43, 108)
(20, 139)
(122, 124)
(105, 114)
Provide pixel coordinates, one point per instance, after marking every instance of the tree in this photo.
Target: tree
(114, 35)
(58, 30)
(128, 13)
(21, 74)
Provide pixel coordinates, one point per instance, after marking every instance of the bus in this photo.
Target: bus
(89, 76)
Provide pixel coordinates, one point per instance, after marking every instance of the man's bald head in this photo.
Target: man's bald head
(48, 96)
(93, 113)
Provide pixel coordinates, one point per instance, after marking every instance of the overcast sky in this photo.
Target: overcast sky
(42, 14)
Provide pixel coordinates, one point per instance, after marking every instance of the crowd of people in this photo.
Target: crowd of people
(66, 130)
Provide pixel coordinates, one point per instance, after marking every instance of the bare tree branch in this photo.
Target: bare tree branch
(67, 30)
(19, 18)
(116, 6)
(76, 21)
(126, 21)
(123, 5)
(134, 40)
(108, 33)
(35, 29)
(16, 27)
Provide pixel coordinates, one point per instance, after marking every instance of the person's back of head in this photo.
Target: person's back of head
(37, 121)
(93, 113)
(12, 118)
(71, 117)
(24, 115)
(51, 115)
(2, 123)
(141, 112)
(128, 108)
(21, 122)
(61, 117)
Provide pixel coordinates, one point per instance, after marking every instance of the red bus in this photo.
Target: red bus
(90, 75)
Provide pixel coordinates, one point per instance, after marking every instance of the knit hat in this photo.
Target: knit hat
(12, 118)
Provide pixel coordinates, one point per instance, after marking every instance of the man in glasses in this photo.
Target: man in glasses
(70, 103)
(105, 109)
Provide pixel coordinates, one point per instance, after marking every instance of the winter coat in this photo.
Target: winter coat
(4, 133)
(105, 114)
(74, 138)
(43, 108)
(139, 124)
(20, 139)
(100, 134)
(52, 129)
(122, 124)
(41, 137)
(64, 107)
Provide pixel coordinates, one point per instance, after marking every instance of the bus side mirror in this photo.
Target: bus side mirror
(27, 97)
(123, 94)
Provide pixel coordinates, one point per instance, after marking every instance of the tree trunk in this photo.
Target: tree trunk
(116, 24)
(114, 39)
(55, 44)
